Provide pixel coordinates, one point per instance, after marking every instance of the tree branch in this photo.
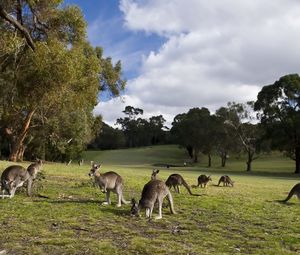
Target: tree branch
(18, 26)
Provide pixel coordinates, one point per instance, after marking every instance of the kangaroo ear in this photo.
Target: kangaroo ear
(157, 171)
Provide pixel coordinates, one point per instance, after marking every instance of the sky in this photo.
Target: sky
(180, 54)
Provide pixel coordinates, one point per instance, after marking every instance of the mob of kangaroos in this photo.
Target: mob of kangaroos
(153, 191)
(109, 181)
(15, 176)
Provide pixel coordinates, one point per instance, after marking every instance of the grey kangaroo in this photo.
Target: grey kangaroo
(15, 176)
(176, 180)
(109, 181)
(154, 191)
(226, 181)
(154, 174)
(203, 180)
(294, 191)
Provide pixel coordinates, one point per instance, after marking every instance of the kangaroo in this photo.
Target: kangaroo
(226, 181)
(154, 173)
(109, 181)
(15, 176)
(294, 191)
(153, 191)
(80, 162)
(175, 180)
(33, 170)
(203, 180)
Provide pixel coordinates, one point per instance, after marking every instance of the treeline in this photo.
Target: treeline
(272, 122)
(135, 131)
(50, 78)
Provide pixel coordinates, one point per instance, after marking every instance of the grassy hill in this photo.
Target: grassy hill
(245, 219)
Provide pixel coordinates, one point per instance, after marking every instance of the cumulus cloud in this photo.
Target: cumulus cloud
(215, 52)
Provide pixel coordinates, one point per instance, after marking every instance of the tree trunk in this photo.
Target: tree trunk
(17, 150)
(209, 160)
(297, 154)
(223, 163)
(223, 159)
(249, 161)
(190, 151)
(195, 156)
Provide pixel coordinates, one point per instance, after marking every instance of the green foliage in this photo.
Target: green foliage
(195, 129)
(279, 106)
(108, 138)
(48, 93)
(139, 131)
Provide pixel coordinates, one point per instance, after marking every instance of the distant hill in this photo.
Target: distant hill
(157, 155)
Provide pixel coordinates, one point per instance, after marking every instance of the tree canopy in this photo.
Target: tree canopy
(50, 76)
(279, 106)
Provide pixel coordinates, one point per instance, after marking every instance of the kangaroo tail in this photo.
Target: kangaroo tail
(289, 196)
(294, 191)
(170, 198)
(188, 188)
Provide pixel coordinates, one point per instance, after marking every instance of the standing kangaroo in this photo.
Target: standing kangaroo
(176, 180)
(109, 181)
(294, 191)
(154, 191)
(154, 174)
(226, 181)
(203, 180)
(15, 176)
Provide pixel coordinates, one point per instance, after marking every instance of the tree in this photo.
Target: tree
(47, 69)
(279, 106)
(226, 139)
(130, 125)
(156, 125)
(193, 131)
(108, 138)
(249, 134)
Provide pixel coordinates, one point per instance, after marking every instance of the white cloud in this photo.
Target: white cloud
(215, 52)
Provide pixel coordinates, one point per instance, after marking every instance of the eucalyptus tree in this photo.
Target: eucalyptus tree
(279, 110)
(239, 117)
(48, 69)
(193, 130)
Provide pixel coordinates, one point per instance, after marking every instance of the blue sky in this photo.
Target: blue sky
(106, 29)
(180, 54)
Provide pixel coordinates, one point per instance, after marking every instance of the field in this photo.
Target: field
(245, 219)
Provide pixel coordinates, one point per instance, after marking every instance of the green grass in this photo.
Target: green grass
(245, 219)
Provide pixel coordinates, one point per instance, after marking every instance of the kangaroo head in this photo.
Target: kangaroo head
(154, 173)
(39, 161)
(95, 168)
(135, 209)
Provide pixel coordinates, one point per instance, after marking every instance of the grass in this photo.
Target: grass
(245, 219)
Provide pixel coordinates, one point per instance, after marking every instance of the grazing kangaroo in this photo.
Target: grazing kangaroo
(175, 180)
(294, 191)
(226, 181)
(15, 176)
(203, 180)
(109, 181)
(154, 191)
(154, 173)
